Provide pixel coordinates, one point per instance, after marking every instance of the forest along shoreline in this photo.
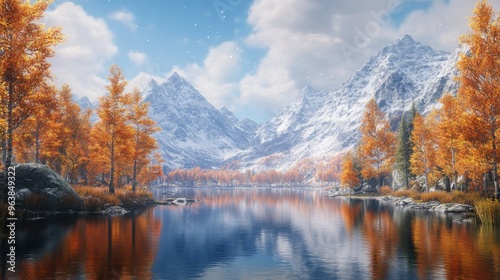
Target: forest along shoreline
(463, 206)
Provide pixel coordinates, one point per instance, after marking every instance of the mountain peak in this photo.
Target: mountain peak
(407, 39)
(177, 79)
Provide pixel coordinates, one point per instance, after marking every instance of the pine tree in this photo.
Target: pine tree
(479, 78)
(404, 152)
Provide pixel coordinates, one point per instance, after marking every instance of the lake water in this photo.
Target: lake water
(257, 233)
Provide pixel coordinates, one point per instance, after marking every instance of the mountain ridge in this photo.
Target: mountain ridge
(317, 124)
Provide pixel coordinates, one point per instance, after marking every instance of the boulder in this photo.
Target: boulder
(339, 191)
(115, 211)
(40, 188)
(452, 208)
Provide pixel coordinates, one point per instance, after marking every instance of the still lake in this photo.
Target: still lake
(257, 233)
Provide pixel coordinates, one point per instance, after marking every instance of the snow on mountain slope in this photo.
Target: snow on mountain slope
(322, 123)
(194, 133)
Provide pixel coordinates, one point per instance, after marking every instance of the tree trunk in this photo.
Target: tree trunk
(134, 176)
(112, 169)
(495, 164)
(447, 183)
(8, 159)
(37, 145)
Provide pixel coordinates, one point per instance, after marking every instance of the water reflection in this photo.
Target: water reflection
(94, 248)
(249, 233)
(298, 233)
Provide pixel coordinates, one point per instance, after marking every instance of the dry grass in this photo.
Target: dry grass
(488, 211)
(36, 202)
(385, 190)
(98, 198)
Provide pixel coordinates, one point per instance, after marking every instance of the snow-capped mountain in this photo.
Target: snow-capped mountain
(84, 103)
(194, 133)
(319, 123)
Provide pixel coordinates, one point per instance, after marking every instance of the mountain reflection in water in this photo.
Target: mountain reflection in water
(263, 233)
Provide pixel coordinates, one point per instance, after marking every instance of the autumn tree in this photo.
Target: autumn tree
(349, 176)
(25, 46)
(38, 134)
(448, 137)
(73, 154)
(112, 132)
(377, 143)
(479, 78)
(143, 128)
(423, 158)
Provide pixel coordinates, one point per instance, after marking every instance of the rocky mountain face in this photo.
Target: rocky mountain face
(194, 133)
(317, 124)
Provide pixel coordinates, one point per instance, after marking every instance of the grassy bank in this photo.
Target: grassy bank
(487, 210)
(96, 199)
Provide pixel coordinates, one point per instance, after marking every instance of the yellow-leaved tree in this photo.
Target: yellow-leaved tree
(349, 177)
(423, 158)
(377, 144)
(448, 137)
(25, 46)
(479, 79)
(110, 135)
(142, 141)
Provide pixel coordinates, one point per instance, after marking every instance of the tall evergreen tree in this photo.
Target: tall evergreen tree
(404, 152)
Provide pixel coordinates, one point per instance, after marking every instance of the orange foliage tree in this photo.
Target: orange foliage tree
(25, 46)
(349, 176)
(479, 78)
(111, 133)
(423, 158)
(142, 140)
(37, 136)
(448, 137)
(378, 142)
(74, 154)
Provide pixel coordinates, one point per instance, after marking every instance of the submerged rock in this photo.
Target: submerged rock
(115, 211)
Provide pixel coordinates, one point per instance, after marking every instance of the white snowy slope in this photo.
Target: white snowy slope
(194, 133)
(319, 124)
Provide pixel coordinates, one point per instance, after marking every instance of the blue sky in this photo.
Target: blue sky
(251, 56)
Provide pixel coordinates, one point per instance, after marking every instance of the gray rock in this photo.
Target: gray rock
(37, 179)
(339, 191)
(452, 208)
(115, 211)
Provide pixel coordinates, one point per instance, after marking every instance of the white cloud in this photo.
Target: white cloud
(322, 43)
(126, 18)
(138, 58)
(80, 60)
(305, 42)
(442, 24)
(215, 79)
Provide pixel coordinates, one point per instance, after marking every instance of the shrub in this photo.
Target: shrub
(97, 198)
(385, 190)
(442, 197)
